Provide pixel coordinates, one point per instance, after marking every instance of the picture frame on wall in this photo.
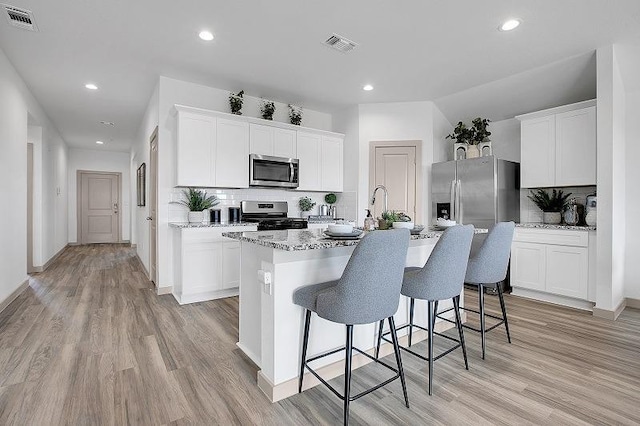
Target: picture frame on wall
(485, 149)
(460, 151)
(141, 185)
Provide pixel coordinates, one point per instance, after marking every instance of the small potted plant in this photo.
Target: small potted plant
(305, 204)
(267, 109)
(331, 199)
(481, 136)
(551, 205)
(235, 102)
(295, 114)
(463, 138)
(196, 200)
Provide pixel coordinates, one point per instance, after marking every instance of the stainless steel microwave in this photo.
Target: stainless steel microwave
(265, 170)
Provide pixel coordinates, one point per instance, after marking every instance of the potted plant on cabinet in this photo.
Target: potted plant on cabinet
(551, 205)
(267, 109)
(462, 137)
(305, 204)
(481, 135)
(235, 102)
(295, 114)
(197, 201)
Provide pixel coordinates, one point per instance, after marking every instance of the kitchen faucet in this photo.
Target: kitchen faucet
(386, 195)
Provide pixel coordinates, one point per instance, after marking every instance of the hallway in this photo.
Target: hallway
(90, 343)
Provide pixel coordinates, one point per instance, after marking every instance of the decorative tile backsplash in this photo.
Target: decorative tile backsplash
(346, 205)
(530, 213)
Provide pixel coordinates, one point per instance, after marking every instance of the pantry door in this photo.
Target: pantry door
(99, 207)
(396, 165)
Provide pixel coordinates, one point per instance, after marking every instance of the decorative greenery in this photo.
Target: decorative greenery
(267, 109)
(196, 200)
(549, 204)
(295, 114)
(461, 133)
(235, 102)
(306, 204)
(330, 198)
(481, 134)
(393, 216)
(471, 135)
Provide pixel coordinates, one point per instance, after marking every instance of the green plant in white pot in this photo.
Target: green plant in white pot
(305, 204)
(197, 201)
(551, 205)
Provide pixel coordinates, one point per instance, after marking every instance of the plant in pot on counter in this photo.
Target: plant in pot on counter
(196, 200)
(305, 204)
(267, 109)
(235, 102)
(551, 205)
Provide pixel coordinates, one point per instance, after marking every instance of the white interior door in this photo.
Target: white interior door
(99, 207)
(30, 208)
(395, 168)
(153, 197)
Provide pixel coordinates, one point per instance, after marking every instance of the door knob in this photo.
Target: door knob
(149, 218)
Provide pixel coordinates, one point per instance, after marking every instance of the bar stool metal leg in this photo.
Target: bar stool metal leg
(435, 313)
(456, 308)
(482, 320)
(305, 342)
(396, 348)
(411, 306)
(347, 373)
(430, 320)
(379, 338)
(504, 311)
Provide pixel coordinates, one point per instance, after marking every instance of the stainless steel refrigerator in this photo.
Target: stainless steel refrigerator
(479, 191)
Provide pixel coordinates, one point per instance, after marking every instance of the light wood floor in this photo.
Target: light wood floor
(90, 343)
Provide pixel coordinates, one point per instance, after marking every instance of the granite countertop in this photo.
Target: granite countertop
(209, 225)
(549, 226)
(309, 239)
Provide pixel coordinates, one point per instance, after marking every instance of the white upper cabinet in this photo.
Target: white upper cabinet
(232, 154)
(558, 146)
(321, 162)
(196, 150)
(309, 151)
(273, 141)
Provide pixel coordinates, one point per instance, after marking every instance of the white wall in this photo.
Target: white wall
(611, 181)
(505, 139)
(17, 104)
(396, 122)
(632, 266)
(96, 160)
(173, 92)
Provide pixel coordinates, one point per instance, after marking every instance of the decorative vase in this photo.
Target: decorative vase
(591, 217)
(196, 217)
(551, 218)
(473, 151)
(305, 214)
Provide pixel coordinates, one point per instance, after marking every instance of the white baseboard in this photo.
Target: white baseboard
(50, 261)
(14, 295)
(553, 298)
(633, 303)
(205, 296)
(610, 314)
(164, 290)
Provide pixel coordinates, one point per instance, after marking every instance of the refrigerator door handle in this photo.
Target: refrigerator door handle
(459, 201)
(452, 201)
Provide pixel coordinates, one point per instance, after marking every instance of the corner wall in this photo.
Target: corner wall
(632, 153)
(18, 110)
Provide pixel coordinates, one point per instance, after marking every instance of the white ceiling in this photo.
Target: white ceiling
(409, 50)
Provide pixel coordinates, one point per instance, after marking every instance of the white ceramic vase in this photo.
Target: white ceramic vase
(551, 218)
(591, 217)
(473, 151)
(196, 217)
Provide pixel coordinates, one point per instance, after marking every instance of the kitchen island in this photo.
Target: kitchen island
(273, 265)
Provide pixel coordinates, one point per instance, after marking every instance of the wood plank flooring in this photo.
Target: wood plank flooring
(91, 343)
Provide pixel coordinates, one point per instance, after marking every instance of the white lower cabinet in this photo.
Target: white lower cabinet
(207, 264)
(553, 265)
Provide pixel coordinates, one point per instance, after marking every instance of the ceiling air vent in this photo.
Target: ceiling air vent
(340, 43)
(20, 18)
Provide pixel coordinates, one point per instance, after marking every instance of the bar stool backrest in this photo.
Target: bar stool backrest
(369, 289)
(489, 265)
(442, 277)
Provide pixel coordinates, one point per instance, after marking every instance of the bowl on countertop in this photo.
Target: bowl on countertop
(407, 225)
(340, 228)
(444, 223)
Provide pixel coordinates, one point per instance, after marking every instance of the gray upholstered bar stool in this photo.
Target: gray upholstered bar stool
(487, 269)
(441, 278)
(367, 292)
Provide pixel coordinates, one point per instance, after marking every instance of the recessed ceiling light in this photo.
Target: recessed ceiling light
(91, 86)
(100, 142)
(509, 25)
(367, 87)
(206, 35)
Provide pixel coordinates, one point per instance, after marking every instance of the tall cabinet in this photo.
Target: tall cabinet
(558, 146)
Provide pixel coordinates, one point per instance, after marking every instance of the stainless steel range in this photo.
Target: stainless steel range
(270, 215)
